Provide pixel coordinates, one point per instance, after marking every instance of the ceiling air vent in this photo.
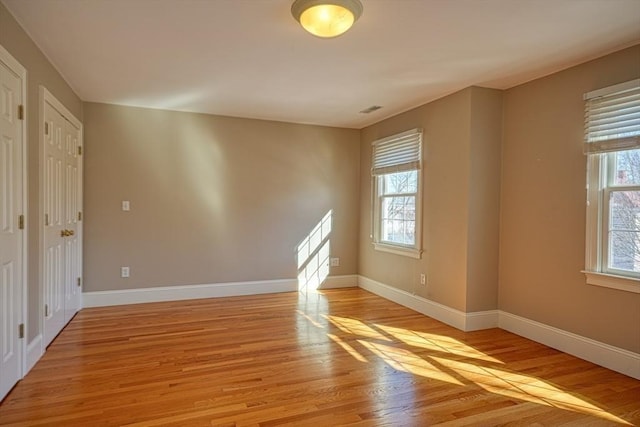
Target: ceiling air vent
(371, 109)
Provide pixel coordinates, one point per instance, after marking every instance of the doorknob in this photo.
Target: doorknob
(63, 233)
(70, 232)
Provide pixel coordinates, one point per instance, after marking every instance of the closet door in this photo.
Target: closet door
(62, 231)
(54, 223)
(12, 225)
(71, 215)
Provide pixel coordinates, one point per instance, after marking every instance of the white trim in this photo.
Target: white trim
(594, 203)
(398, 250)
(47, 96)
(34, 352)
(614, 358)
(456, 318)
(186, 292)
(211, 290)
(335, 282)
(629, 284)
(21, 71)
(479, 320)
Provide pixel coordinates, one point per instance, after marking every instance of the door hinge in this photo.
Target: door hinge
(79, 282)
(46, 128)
(21, 222)
(46, 310)
(79, 150)
(79, 216)
(21, 112)
(21, 330)
(46, 219)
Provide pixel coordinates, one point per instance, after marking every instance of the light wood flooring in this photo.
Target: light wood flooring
(339, 357)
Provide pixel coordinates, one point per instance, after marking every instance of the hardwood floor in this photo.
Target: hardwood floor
(339, 357)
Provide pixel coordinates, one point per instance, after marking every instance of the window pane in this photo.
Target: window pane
(624, 211)
(624, 228)
(627, 167)
(398, 220)
(400, 182)
(623, 250)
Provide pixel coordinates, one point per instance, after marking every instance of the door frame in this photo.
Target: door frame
(44, 96)
(21, 71)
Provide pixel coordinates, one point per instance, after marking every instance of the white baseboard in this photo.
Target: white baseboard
(456, 318)
(335, 282)
(214, 290)
(479, 320)
(34, 353)
(614, 358)
(185, 292)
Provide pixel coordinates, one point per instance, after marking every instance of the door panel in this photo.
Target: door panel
(11, 236)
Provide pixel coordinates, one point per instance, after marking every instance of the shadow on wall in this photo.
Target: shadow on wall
(313, 255)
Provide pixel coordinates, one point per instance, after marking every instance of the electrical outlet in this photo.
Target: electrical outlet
(423, 279)
(335, 262)
(124, 271)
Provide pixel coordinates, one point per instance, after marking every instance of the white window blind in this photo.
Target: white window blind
(612, 118)
(397, 153)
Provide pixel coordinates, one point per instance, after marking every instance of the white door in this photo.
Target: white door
(11, 225)
(53, 275)
(71, 222)
(62, 242)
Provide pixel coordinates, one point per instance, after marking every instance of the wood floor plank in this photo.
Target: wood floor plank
(329, 358)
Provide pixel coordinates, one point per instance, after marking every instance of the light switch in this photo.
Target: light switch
(125, 205)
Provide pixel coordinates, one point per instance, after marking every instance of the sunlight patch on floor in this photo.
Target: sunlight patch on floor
(355, 327)
(404, 360)
(452, 346)
(524, 387)
(352, 351)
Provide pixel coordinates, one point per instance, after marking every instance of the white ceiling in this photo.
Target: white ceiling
(250, 58)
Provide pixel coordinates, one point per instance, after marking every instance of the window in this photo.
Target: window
(612, 143)
(397, 193)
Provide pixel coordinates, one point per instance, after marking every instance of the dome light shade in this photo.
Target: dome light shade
(326, 18)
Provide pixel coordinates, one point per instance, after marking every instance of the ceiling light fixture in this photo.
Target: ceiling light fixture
(326, 18)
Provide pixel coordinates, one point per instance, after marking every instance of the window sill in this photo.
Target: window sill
(622, 283)
(398, 250)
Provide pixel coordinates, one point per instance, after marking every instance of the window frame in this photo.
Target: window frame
(600, 186)
(377, 186)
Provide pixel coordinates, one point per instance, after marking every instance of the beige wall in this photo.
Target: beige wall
(461, 186)
(39, 72)
(213, 199)
(542, 244)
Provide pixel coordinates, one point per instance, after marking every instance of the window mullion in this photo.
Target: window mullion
(398, 194)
